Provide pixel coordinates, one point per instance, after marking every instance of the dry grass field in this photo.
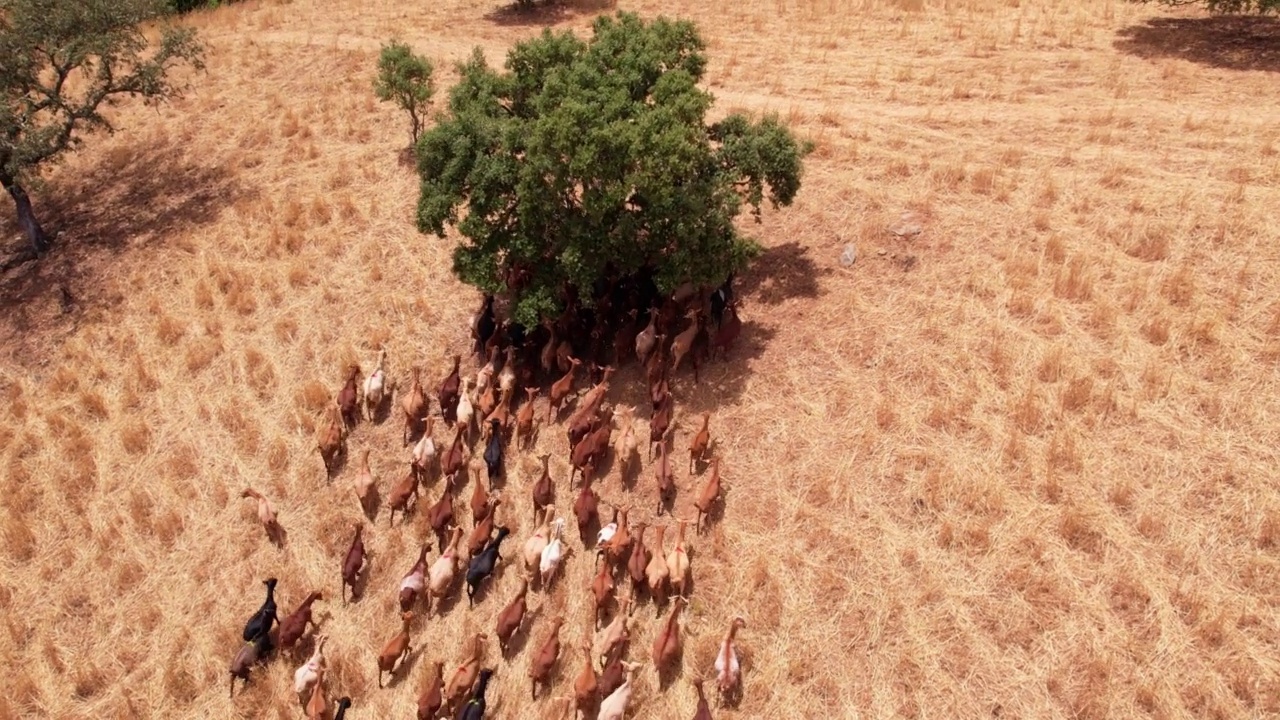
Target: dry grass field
(1021, 464)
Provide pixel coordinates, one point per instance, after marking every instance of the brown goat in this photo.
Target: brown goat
(544, 491)
(448, 393)
(701, 440)
(592, 447)
(460, 682)
(684, 341)
(295, 624)
(414, 405)
(659, 423)
(666, 646)
(665, 478)
(329, 441)
(396, 649)
(586, 507)
(440, 515)
(512, 615)
(727, 333)
(590, 404)
(707, 498)
(560, 390)
(545, 659)
(586, 687)
(454, 458)
(347, 397)
(352, 563)
(601, 591)
(484, 529)
(524, 419)
(639, 561)
(432, 696)
(400, 494)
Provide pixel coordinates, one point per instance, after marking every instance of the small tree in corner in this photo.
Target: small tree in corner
(405, 79)
(59, 63)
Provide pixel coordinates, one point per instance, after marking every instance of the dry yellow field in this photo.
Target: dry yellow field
(1019, 465)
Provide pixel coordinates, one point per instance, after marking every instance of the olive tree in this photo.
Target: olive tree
(583, 159)
(61, 63)
(405, 79)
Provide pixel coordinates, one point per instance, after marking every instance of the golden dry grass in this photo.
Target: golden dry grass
(1020, 465)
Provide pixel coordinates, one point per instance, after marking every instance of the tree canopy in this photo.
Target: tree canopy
(590, 159)
(1261, 7)
(405, 79)
(61, 63)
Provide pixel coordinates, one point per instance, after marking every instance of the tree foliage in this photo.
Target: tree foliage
(405, 79)
(61, 63)
(590, 159)
(1261, 7)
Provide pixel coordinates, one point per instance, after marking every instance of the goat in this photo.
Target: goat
(592, 447)
(249, 655)
(344, 702)
(612, 674)
(647, 339)
(536, 542)
(616, 633)
(617, 546)
(678, 561)
(347, 396)
(396, 649)
(329, 441)
(466, 411)
(475, 707)
(424, 452)
(432, 696)
(601, 591)
(295, 623)
(481, 532)
(590, 403)
(479, 497)
(493, 453)
(659, 423)
(626, 444)
(698, 446)
(728, 671)
(614, 707)
(727, 333)
(545, 659)
(666, 481)
(352, 563)
(307, 673)
(260, 622)
(586, 687)
(482, 565)
(681, 343)
(524, 420)
(552, 554)
(638, 563)
(560, 389)
(585, 508)
(512, 615)
(483, 324)
(316, 705)
(707, 498)
(401, 492)
(440, 575)
(656, 573)
(453, 459)
(374, 386)
(666, 645)
(440, 514)
(464, 676)
(266, 515)
(414, 405)
(363, 484)
(544, 491)
(414, 582)
(448, 393)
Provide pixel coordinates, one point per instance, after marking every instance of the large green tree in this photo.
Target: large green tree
(61, 63)
(583, 159)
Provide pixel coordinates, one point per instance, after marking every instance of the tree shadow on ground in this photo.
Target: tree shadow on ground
(546, 12)
(781, 273)
(133, 197)
(1232, 42)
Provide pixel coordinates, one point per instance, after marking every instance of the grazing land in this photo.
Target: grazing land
(1020, 463)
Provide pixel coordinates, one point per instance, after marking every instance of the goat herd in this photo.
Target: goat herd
(552, 354)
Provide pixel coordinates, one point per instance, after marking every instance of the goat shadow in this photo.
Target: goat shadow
(1230, 42)
(668, 674)
(339, 462)
(278, 536)
(362, 580)
(372, 504)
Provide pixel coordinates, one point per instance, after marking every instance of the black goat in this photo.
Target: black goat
(260, 623)
(482, 565)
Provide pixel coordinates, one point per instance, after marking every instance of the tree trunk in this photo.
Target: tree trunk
(27, 216)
